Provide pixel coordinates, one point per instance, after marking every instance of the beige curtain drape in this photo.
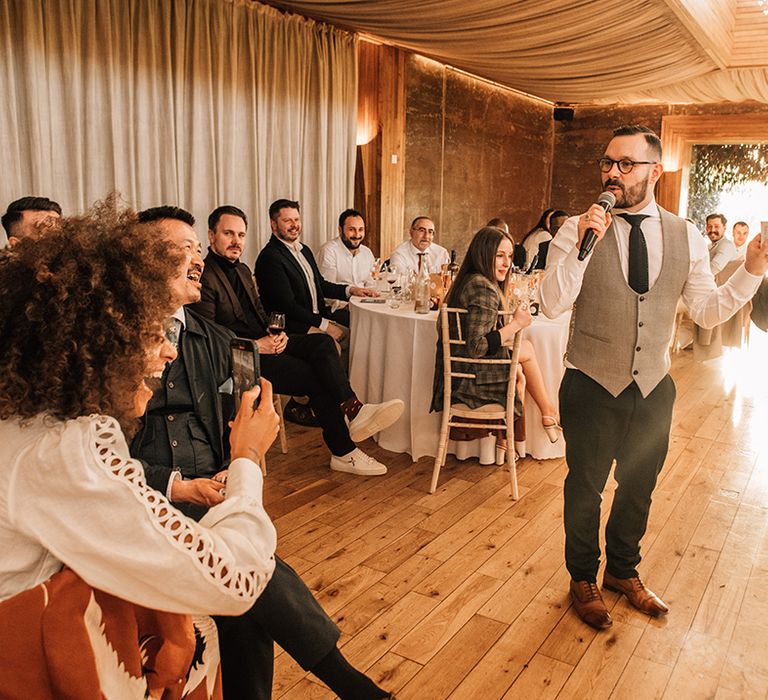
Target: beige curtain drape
(190, 102)
(735, 85)
(578, 51)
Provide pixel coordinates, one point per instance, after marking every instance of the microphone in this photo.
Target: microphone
(606, 200)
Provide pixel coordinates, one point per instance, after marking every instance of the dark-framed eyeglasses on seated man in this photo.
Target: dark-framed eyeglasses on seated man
(423, 229)
(625, 164)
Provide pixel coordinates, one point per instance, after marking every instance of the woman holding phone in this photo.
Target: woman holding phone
(81, 313)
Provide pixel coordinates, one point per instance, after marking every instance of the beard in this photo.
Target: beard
(352, 245)
(630, 196)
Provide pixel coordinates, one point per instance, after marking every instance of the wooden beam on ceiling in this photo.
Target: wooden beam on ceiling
(710, 23)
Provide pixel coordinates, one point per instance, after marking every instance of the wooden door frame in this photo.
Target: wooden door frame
(680, 133)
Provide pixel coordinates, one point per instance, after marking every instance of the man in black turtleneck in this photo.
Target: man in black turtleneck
(297, 365)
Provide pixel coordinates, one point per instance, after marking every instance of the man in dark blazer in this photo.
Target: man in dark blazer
(297, 364)
(183, 447)
(290, 281)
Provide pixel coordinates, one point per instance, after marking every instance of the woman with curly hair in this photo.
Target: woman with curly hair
(81, 315)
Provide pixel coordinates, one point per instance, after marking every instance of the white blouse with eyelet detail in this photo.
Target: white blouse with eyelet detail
(71, 494)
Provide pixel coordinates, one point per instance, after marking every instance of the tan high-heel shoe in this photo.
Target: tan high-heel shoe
(553, 429)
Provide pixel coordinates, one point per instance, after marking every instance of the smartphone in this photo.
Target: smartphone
(763, 231)
(245, 367)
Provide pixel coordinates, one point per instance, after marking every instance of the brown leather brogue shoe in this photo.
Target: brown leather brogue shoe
(644, 599)
(589, 605)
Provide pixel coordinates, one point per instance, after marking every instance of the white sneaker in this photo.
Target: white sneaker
(357, 462)
(374, 417)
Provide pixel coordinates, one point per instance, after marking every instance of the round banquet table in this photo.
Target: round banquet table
(392, 356)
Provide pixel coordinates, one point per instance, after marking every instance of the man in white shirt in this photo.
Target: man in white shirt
(740, 234)
(420, 247)
(721, 250)
(616, 396)
(345, 259)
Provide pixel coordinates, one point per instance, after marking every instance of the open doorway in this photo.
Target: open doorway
(730, 179)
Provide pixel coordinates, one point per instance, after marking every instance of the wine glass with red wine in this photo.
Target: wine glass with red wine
(276, 323)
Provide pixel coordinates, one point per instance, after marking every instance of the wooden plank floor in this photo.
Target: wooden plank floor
(463, 594)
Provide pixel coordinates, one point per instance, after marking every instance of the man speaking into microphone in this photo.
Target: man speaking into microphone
(616, 396)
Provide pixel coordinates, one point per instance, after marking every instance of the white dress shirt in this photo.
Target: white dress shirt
(721, 253)
(708, 305)
(339, 264)
(70, 493)
(406, 257)
(531, 245)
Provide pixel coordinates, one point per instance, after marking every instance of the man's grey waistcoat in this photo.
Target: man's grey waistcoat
(617, 335)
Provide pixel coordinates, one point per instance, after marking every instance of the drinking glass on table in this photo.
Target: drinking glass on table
(391, 276)
(276, 323)
(518, 290)
(534, 279)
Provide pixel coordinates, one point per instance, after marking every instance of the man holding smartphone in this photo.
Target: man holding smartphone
(182, 434)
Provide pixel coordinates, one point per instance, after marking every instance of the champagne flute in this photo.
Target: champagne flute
(276, 323)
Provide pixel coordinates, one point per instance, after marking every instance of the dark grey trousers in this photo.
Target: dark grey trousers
(599, 428)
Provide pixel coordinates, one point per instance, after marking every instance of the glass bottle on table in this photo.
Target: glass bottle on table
(421, 286)
(453, 266)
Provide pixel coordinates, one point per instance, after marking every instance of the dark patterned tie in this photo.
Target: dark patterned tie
(638, 253)
(173, 332)
(421, 261)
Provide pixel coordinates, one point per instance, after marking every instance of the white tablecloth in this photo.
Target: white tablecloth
(549, 338)
(392, 356)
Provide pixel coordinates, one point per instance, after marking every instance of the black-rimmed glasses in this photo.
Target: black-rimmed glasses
(625, 165)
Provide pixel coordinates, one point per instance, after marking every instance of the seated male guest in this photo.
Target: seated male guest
(290, 281)
(296, 364)
(345, 259)
(420, 247)
(28, 217)
(181, 443)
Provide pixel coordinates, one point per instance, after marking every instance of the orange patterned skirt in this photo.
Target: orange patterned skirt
(64, 639)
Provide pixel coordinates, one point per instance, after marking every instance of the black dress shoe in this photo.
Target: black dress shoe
(299, 413)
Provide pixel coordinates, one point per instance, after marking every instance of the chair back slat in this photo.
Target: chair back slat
(455, 366)
(447, 314)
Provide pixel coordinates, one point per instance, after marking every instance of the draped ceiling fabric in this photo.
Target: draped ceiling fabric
(729, 85)
(574, 51)
(189, 102)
